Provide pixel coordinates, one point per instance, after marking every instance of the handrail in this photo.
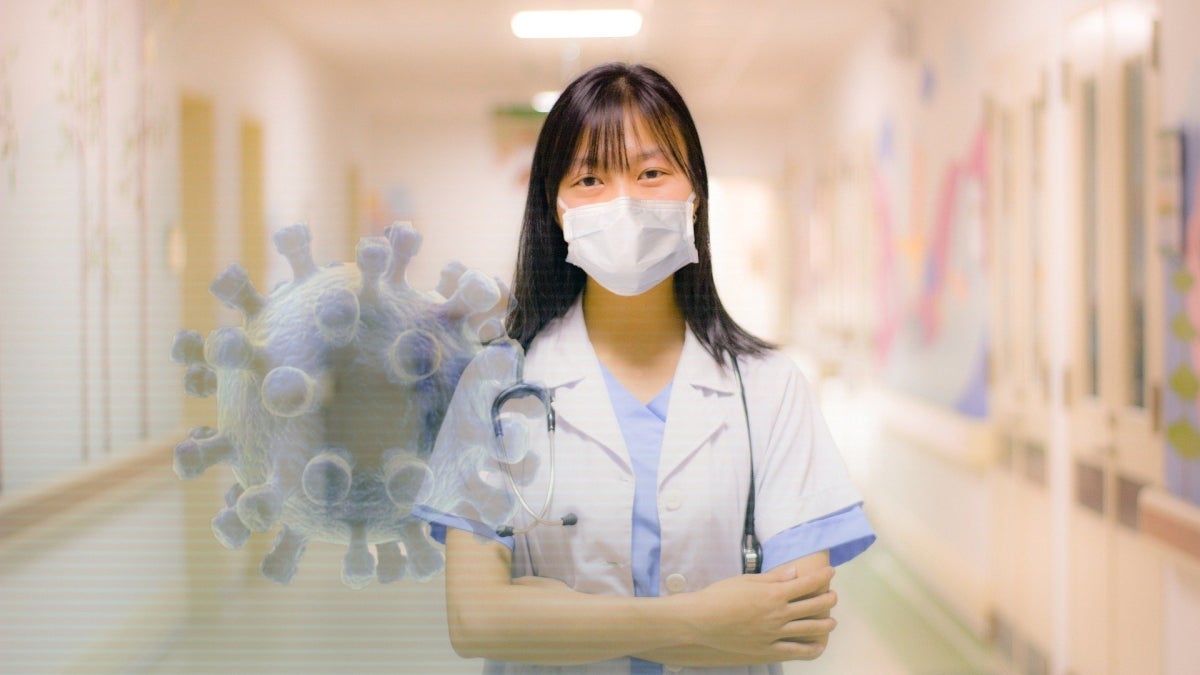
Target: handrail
(1170, 520)
(954, 438)
(28, 509)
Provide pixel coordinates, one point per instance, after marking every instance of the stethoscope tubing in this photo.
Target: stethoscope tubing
(523, 390)
(751, 550)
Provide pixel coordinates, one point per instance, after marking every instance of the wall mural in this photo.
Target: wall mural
(933, 291)
(1181, 405)
(1181, 283)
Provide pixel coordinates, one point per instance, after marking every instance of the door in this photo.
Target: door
(1114, 387)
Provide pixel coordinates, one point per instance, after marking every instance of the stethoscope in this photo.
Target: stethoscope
(751, 549)
(524, 389)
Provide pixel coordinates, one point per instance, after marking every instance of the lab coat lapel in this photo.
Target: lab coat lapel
(700, 404)
(562, 358)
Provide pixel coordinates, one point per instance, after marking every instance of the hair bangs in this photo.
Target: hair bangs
(602, 137)
(666, 131)
(602, 142)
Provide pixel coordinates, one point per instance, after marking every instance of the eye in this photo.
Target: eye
(587, 181)
(653, 174)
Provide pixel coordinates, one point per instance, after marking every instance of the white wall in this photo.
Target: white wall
(314, 130)
(457, 190)
(82, 193)
(91, 176)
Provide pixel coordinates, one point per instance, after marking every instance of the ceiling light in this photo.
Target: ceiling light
(543, 101)
(584, 23)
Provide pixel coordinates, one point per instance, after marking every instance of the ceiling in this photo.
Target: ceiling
(436, 57)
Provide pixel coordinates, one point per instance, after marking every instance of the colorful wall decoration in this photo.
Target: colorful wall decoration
(1181, 405)
(933, 288)
(1181, 283)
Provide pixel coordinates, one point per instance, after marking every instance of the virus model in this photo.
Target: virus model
(329, 398)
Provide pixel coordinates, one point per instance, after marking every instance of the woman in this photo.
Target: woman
(616, 307)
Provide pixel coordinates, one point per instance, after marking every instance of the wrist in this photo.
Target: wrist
(688, 611)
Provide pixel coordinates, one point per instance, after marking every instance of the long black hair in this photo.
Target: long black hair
(593, 110)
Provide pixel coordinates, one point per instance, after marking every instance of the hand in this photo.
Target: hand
(776, 614)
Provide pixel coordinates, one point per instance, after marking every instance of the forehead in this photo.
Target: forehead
(617, 141)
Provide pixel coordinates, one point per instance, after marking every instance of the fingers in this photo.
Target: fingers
(787, 650)
(808, 630)
(812, 606)
(810, 584)
(814, 579)
(780, 573)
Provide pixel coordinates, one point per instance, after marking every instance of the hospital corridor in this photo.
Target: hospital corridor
(972, 226)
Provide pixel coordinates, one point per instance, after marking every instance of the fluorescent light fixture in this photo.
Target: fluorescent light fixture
(543, 101)
(582, 23)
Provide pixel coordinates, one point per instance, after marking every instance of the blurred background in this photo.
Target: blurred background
(972, 223)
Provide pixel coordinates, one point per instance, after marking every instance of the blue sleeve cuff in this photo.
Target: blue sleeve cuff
(438, 522)
(844, 534)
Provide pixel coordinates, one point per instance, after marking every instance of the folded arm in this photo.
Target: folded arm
(811, 634)
(750, 618)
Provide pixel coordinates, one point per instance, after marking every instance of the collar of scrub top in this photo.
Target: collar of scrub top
(562, 359)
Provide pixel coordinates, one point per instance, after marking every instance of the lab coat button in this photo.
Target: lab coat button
(673, 499)
(676, 583)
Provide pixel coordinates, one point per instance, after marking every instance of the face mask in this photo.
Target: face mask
(630, 245)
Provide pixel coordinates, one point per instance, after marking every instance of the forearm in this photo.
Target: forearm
(494, 618)
(563, 628)
(702, 656)
(698, 656)
(761, 618)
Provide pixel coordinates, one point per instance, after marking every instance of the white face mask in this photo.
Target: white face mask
(630, 245)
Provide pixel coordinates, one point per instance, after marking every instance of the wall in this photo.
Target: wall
(90, 266)
(91, 93)
(314, 130)
(1181, 110)
(918, 280)
(86, 203)
(449, 176)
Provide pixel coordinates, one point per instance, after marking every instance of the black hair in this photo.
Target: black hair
(592, 110)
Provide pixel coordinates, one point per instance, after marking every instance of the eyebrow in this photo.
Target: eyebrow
(653, 153)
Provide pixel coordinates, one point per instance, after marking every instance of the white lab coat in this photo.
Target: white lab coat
(703, 476)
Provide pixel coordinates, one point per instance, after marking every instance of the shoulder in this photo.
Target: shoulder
(556, 351)
(773, 372)
(778, 395)
(558, 334)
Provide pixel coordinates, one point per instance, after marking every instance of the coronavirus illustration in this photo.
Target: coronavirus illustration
(484, 455)
(330, 396)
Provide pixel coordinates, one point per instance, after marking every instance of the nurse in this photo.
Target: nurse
(667, 410)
